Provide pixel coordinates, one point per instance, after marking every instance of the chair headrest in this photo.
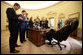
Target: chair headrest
(74, 22)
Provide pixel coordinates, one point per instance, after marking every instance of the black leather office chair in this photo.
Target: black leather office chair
(64, 33)
(49, 36)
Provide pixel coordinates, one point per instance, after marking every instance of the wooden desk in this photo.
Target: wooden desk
(36, 37)
(74, 33)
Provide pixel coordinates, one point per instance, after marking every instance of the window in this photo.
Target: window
(52, 22)
(62, 23)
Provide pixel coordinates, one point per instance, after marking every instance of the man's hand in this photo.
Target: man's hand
(20, 18)
(26, 20)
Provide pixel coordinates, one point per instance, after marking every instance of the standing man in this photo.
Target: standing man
(26, 24)
(46, 23)
(42, 23)
(37, 22)
(31, 22)
(22, 26)
(13, 27)
(59, 23)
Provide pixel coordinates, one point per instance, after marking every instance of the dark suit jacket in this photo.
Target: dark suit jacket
(46, 24)
(42, 23)
(59, 25)
(12, 17)
(31, 23)
(59, 35)
(63, 33)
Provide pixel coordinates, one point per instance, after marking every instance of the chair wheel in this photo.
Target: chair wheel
(65, 46)
(51, 45)
(60, 48)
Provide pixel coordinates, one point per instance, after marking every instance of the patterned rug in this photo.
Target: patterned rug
(56, 50)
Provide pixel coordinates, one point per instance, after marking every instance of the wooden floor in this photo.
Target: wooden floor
(73, 46)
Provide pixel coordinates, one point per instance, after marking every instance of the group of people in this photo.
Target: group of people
(43, 23)
(25, 23)
(19, 24)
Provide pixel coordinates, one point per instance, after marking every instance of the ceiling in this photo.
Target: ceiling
(33, 4)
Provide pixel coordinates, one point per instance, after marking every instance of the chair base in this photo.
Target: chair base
(58, 44)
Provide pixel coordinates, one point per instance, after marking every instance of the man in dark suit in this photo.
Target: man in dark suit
(42, 23)
(31, 23)
(13, 27)
(26, 24)
(22, 26)
(46, 23)
(59, 23)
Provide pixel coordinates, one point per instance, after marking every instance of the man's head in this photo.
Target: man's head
(31, 18)
(16, 6)
(46, 19)
(23, 12)
(37, 16)
(26, 14)
(42, 18)
(66, 22)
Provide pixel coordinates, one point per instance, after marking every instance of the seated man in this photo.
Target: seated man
(50, 35)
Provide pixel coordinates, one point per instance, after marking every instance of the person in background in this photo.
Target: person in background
(26, 24)
(66, 22)
(22, 26)
(31, 22)
(46, 23)
(42, 23)
(37, 21)
(13, 27)
(59, 23)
